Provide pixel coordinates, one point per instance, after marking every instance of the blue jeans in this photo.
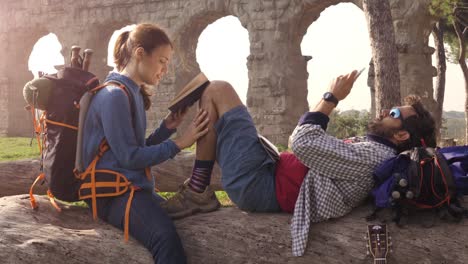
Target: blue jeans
(149, 224)
(248, 173)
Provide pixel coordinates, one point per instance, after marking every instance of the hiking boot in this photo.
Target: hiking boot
(188, 202)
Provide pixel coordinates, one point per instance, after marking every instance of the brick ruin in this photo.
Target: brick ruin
(277, 89)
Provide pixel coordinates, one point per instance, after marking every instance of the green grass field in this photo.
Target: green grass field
(221, 195)
(15, 148)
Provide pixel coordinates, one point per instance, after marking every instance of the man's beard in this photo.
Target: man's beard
(377, 128)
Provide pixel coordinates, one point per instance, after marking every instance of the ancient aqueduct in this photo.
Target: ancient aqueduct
(277, 91)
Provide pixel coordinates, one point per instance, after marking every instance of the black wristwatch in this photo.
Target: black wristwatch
(329, 97)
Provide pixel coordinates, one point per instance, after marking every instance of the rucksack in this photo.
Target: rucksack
(457, 158)
(64, 99)
(56, 128)
(417, 179)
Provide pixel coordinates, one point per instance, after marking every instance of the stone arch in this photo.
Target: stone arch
(184, 65)
(412, 23)
(19, 46)
(277, 70)
(336, 43)
(222, 52)
(310, 13)
(186, 40)
(39, 62)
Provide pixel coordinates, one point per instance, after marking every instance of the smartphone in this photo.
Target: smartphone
(359, 73)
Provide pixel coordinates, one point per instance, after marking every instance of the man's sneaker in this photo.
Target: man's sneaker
(188, 202)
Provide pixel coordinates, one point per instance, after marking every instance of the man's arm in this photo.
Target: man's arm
(320, 151)
(340, 87)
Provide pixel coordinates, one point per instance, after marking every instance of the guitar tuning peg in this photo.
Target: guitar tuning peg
(391, 250)
(367, 252)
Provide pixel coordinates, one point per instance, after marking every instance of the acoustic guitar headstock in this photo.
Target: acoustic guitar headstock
(378, 243)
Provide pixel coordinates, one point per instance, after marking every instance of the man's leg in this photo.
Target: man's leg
(247, 171)
(218, 98)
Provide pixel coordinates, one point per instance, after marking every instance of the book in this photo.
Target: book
(269, 147)
(191, 93)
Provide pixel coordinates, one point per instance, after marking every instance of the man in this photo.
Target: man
(337, 176)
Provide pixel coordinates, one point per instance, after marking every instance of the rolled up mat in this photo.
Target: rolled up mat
(37, 91)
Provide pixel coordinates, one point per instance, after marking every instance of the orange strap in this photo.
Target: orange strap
(52, 201)
(31, 196)
(446, 198)
(61, 124)
(121, 86)
(36, 127)
(127, 213)
(49, 194)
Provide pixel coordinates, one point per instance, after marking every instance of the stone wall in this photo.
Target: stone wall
(277, 91)
(3, 107)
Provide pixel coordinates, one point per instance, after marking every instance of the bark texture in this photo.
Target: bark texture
(462, 33)
(439, 88)
(225, 236)
(384, 53)
(371, 84)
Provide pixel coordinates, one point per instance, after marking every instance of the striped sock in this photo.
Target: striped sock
(201, 175)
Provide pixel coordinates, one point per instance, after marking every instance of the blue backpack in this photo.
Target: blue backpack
(423, 178)
(457, 158)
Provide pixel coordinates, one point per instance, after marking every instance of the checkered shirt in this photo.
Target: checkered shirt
(339, 178)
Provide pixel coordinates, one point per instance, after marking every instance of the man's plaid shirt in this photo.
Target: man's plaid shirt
(339, 178)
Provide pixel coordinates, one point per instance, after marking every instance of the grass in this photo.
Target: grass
(222, 197)
(15, 148)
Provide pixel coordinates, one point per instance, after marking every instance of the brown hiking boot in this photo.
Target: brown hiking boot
(188, 202)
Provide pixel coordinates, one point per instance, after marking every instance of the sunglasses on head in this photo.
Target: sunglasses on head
(395, 113)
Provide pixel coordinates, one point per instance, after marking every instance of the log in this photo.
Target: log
(17, 176)
(225, 236)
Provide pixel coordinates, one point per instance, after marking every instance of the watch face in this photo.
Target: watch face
(329, 97)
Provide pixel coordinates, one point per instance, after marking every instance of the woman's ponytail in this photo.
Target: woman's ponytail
(122, 53)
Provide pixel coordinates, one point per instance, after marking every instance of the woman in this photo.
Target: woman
(117, 114)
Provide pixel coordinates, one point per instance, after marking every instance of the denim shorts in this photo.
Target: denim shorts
(248, 173)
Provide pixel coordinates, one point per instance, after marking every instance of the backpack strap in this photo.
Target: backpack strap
(85, 101)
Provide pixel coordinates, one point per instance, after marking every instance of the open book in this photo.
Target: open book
(190, 93)
(269, 147)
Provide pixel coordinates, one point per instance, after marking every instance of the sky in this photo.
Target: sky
(338, 41)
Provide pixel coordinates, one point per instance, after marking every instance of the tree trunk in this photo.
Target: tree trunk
(438, 33)
(371, 84)
(227, 236)
(461, 34)
(384, 53)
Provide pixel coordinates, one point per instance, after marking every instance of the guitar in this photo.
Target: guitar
(378, 243)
